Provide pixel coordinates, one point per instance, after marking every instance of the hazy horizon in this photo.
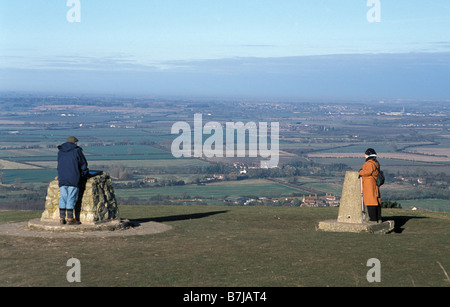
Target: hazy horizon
(256, 49)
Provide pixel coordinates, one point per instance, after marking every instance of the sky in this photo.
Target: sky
(253, 48)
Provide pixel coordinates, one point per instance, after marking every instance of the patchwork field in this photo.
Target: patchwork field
(388, 155)
(10, 165)
(251, 188)
(131, 138)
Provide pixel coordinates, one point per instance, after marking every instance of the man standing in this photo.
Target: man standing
(72, 166)
(370, 190)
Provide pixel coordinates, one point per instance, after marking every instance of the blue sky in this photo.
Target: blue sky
(175, 46)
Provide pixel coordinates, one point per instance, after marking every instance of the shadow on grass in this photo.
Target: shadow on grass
(172, 218)
(401, 220)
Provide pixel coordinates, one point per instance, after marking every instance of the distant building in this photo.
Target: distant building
(149, 180)
(320, 201)
(219, 176)
(237, 200)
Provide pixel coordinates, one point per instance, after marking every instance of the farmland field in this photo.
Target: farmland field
(134, 144)
(254, 188)
(28, 176)
(384, 155)
(437, 205)
(144, 163)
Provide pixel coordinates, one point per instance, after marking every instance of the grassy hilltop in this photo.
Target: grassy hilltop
(235, 246)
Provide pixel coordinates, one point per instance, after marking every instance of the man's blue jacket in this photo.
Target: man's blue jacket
(72, 165)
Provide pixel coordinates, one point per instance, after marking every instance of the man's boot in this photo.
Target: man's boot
(71, 219)
(62, 216)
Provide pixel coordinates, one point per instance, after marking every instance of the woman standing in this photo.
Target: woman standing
(370, 190)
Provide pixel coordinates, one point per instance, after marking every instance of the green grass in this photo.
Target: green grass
(150, 163)
(117, 152)
(235, 246)
(254, 187)
(122, 150)
(440, 205)
(29, 176)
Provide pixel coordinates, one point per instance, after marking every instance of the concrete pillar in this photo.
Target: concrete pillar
(350, 210)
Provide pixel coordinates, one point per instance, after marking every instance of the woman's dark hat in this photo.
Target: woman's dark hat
(371, 152)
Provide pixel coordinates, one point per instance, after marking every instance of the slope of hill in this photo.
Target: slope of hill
(235, 246)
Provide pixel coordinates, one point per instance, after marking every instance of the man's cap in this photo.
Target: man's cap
(72, 139)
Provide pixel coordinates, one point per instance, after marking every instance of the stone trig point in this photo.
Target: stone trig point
(96, 207)
(351, 216)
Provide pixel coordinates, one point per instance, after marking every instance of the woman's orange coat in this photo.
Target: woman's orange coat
(369, 173)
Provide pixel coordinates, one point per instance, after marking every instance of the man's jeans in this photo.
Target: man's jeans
(69, 197)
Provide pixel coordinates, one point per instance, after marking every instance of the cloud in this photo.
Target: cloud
(374, 76)
(74, 62)
(441, 45)
(258, 46)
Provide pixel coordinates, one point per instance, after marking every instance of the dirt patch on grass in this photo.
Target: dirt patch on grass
(22, 229)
